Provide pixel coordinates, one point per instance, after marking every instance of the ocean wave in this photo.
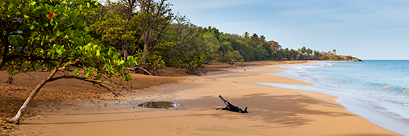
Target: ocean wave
(374, 85)
(391, 88)
(309, 66)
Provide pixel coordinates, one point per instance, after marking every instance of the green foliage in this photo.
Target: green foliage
(190, 62)
(41, 34)
(112, 27)
(153, 19)
(157, 37)
(231, 57)
(153, 62)
(221, 47)
(133, 25)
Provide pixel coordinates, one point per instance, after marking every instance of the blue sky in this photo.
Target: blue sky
(367, 29)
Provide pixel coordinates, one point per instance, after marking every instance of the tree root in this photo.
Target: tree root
(131, 69)
(29, 75)
(10, 80)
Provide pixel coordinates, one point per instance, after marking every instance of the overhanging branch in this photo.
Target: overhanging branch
(105, 84)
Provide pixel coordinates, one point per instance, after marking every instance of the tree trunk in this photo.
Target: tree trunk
(4, 52)
(145, 47)
(126, 55)
(21, 111)
(171, 54)
(2, 62)
(125, 46)
(125, 50)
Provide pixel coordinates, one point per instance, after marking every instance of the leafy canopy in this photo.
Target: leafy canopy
(40, 34)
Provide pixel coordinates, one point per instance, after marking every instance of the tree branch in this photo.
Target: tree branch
(104, 84)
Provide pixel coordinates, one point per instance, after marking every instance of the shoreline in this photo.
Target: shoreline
(272, 111)
(365, 108)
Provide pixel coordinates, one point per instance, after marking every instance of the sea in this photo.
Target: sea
(377, 90)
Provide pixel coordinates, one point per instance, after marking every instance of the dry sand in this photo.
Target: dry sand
(272, 111)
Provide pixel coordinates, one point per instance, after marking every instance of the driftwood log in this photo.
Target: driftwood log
(231, 107)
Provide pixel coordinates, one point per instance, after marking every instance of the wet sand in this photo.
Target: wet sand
(272, 111)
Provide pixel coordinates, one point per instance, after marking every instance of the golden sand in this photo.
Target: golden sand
(272, 111)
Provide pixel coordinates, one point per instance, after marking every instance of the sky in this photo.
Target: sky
(367, 29)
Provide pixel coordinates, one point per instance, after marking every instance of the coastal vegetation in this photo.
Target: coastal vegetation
(150, 31)
(107, 40)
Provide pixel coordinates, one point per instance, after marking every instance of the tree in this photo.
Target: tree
(113, 27)
(212, 43)
(317, 54)
(231, 57)
(309, 52)
(53, 36)
(193, 55)
(246, 35)
(334, 50)
(183, 33)
(254, 38)
(262, 39)
(274, 46)
(153, 19)
(303, 50)
(130, 5)
(116, 25)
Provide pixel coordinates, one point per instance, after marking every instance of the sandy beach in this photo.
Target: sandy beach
(272, 111)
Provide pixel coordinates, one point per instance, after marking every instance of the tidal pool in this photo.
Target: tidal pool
(158, 104)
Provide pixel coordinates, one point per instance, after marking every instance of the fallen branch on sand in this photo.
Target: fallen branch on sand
(231, 107)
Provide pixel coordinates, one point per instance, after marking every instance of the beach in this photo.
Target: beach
(271, 110)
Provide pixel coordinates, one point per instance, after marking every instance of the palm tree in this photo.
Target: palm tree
(316, 54)
(303, 50)
(309, 52)
(262, 39)
(246, 35)
(254, 38)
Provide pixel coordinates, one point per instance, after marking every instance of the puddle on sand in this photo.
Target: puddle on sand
(159, 104)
